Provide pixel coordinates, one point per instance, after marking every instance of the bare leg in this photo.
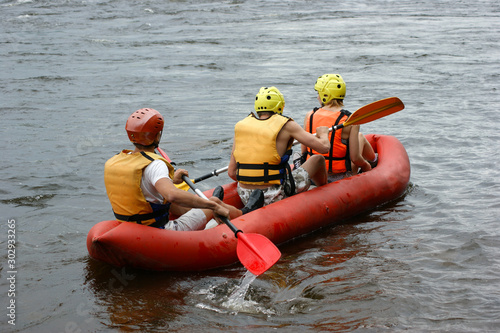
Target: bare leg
(366, 148)
(316, 168)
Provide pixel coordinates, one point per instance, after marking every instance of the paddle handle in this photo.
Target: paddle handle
(202, 195)
(211, 174)
(336, 127)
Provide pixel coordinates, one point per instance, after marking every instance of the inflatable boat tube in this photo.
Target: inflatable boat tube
(125, 244)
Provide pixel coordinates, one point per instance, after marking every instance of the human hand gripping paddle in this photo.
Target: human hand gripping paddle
(255, 252)
(183, 185)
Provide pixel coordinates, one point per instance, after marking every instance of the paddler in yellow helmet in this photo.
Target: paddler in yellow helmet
(141, 184)
(349, 150)
(262, 147)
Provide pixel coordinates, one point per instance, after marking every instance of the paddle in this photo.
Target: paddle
(255, 252)
(370, 112)
(211, 174)
(373, 111)
(183, 185)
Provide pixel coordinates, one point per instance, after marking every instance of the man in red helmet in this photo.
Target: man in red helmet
(140, 183)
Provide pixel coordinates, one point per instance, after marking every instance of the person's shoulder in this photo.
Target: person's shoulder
(282, 115)
(346, 112)
(249, 116)
(118, 155)
(157, 165)
(156, 170)
(291, 125)
(282, 118)
(159, 162)
(308, 114)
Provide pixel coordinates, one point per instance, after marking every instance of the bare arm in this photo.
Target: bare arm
(355, 149)
(303, 148)
(318, 142)
(178, 175)
(186, 199)
(231, 170)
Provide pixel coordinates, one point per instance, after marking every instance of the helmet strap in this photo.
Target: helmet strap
(156, 143)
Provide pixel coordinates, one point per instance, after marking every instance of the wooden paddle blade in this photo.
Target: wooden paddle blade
(256, 252)
(375, 110)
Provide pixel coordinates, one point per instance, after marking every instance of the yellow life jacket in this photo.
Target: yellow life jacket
(122, 177)
(257, 159)
(337, 160)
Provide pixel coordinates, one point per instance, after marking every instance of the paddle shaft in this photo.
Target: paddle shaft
(209, 175)
(163, 154)
(202, 195)
(199, 179)
(182, 186)
(255, 251)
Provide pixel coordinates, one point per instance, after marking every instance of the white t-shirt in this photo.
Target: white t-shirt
(155, 171)
(195, 219)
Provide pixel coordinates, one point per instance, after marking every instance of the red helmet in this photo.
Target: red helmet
(143, 126)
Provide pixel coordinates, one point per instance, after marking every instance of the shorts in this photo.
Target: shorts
(276, 192)
(195, 219)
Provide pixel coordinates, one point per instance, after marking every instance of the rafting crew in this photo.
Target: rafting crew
(141, 184)
(350, 152)
(260, 157)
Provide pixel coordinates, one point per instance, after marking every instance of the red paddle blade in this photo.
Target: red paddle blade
(256, 252)
(375, 110)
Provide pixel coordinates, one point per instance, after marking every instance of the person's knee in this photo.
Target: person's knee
(315, 165)
(320, 164)
(358, 160)
(317, 159)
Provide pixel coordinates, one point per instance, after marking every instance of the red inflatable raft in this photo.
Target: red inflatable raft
(132, 245)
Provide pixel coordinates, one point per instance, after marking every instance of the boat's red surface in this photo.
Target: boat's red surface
(132, 245)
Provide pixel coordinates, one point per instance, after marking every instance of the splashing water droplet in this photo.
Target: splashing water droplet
(236, 301)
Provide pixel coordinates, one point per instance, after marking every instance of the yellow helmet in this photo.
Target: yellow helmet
(269, 99)
(330, 86)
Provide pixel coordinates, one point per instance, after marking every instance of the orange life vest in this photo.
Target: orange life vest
(337, 160)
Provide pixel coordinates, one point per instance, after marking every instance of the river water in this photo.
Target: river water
(72, 72)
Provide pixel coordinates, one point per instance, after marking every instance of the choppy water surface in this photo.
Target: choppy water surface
(72, 72)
